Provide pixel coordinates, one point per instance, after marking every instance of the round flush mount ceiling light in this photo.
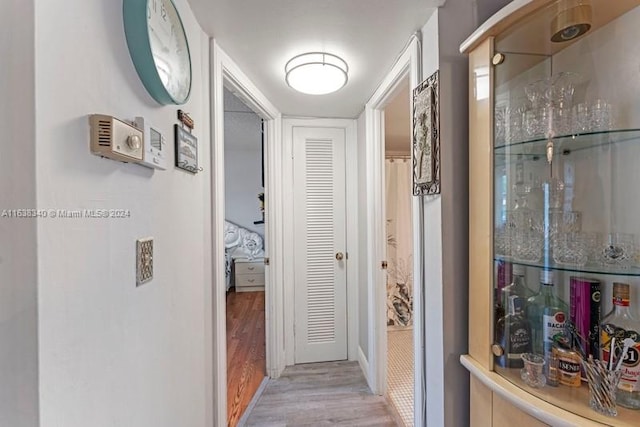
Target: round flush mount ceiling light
(316, 73)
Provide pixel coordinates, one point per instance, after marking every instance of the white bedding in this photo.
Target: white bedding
(240, 243)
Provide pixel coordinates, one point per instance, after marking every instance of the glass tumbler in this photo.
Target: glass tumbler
(600, 117)
(570, 248)
(532, 373)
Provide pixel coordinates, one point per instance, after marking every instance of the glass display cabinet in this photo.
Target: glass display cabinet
(555, 214)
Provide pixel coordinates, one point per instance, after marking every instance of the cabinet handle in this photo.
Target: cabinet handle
(251, 268)
(251, 280)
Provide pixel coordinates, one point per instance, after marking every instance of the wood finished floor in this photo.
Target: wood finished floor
(320, 394)
(246, 365)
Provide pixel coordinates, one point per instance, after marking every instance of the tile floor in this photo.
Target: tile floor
(400, 373)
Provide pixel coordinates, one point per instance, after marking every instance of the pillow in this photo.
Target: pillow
(231, 235)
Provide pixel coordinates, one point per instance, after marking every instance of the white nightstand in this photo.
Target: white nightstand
(248, 275)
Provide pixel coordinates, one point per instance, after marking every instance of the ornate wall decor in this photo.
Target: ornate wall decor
(426, 137)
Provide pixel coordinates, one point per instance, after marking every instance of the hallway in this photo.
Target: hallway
(315, 394)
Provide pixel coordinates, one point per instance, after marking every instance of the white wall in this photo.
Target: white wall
(363, 244)
(18, 260)
(112, 354)
(243, 164)
(446, 216)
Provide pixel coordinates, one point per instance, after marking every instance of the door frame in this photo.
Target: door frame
(409, 64)
(351, 152)
(226, 74)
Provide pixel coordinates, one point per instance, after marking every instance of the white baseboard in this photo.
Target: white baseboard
(364, 365)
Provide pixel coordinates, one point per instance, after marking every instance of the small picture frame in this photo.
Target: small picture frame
(186, 150)
(426, 137)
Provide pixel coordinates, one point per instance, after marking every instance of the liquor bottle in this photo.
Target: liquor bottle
(619, 323)
(517, 287)
(513, 334)
(547, 314)
(503, 277)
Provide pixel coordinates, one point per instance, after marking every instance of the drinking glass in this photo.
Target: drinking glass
(602, 386)
(554, 193)
(618, 249)
(500, 117)
(532, 373)
(561, 120)
(527, 246)
(570, 248)
(580, 120)
(515, 116)
(600, 115)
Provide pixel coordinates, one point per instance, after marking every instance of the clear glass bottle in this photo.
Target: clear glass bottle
(517, 287)
(620, 323)
(513, 334)
(547, 314)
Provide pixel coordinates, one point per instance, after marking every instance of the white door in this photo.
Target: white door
(320, 244)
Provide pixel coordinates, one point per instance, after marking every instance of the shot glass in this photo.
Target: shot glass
(532, 373)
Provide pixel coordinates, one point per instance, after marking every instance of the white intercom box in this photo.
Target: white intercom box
(115, 139)
(155, 146)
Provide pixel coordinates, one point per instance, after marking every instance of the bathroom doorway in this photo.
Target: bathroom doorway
(399, 255)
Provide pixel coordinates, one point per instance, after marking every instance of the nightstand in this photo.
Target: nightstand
(248, 275)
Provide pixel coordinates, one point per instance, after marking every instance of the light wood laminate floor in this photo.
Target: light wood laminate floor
(246, 365)
(320, 394)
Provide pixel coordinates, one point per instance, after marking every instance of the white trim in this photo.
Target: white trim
(537, 408)
(407, 65)
(492, 22)
(225, 73)
(254, 401)
(364, 363)
(349, 125)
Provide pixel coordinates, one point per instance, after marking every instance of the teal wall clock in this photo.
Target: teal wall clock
(159, 48)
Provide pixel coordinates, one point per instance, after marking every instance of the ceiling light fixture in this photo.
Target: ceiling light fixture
(316, 73)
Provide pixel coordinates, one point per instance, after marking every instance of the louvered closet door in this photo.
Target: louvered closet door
(319, 212)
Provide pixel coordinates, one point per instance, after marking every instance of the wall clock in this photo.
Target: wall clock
(159, 49)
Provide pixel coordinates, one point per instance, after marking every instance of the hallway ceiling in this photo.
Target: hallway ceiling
(261, 36)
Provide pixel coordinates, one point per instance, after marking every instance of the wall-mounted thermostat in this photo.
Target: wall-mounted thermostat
(115, 139)
(155, 146)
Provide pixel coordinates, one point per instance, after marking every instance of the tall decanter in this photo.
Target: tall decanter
(621, 324)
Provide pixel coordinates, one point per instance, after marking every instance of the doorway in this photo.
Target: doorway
(407, 67)
(227, 75)
(244, 255)
(399, 311)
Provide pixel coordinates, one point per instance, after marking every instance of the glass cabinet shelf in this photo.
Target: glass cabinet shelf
(588, 268)
(564, 144)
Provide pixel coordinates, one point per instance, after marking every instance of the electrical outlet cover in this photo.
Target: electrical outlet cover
(144, 260)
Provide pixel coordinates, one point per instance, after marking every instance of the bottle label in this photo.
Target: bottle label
(552, 326)
(630, 379)
(520, 342)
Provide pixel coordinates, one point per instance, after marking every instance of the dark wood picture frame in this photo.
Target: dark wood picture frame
(426, 137)
(186, 150)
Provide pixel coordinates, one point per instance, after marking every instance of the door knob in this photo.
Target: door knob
(339, 256)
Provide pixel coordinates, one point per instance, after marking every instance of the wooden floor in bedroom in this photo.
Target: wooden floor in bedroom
(246, 363)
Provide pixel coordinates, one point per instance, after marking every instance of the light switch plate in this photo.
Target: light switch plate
(144, 260)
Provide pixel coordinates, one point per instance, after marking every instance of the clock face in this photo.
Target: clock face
(169, 48)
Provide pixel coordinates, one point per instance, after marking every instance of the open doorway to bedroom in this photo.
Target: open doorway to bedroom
(399, 309)
(244, 254)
